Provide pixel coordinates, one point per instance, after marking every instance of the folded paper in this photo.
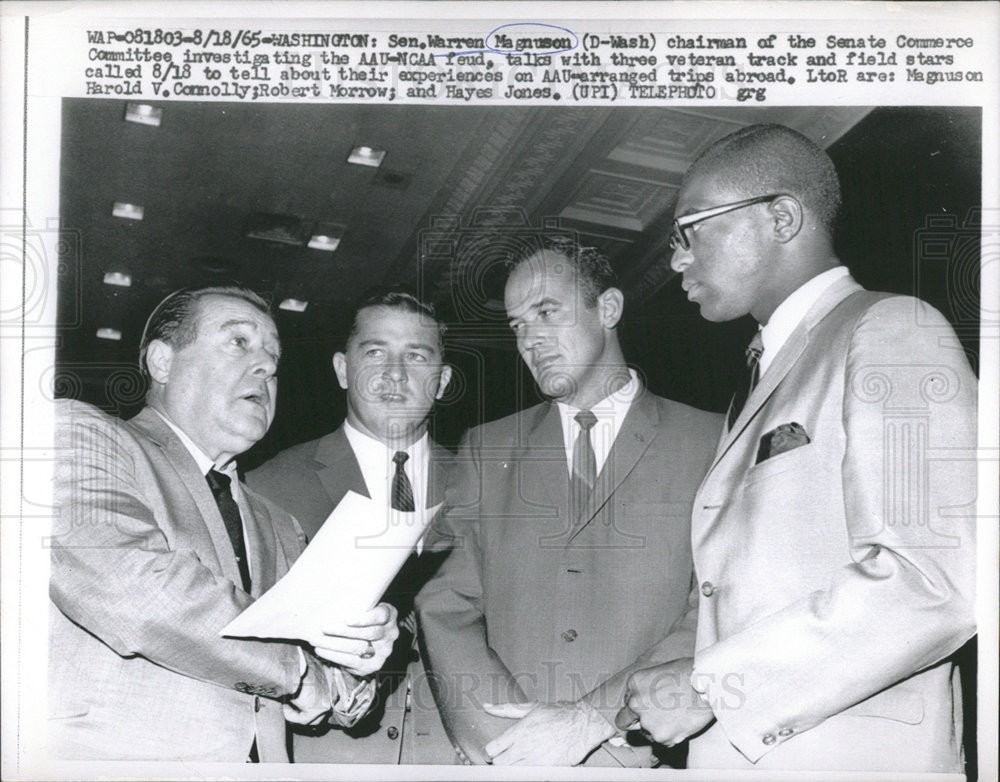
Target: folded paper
(343, 572)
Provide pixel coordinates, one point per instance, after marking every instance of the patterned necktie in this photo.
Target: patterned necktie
(584, 464)
(402, 490)
(748, 379)
(219, 484)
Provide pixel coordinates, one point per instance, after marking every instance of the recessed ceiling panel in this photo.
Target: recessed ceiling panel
(620, 202)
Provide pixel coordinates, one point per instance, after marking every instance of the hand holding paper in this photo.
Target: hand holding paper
(362, 646)
(328, 598)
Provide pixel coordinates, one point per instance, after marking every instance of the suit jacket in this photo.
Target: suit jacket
(531, 604)
(142, 582)
(837, 575)
(309, 480)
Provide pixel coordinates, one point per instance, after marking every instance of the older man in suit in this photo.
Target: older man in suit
(393, 370)
(158, 547)
(834, 534)
(569, 530)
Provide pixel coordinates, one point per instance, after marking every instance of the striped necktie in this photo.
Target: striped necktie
(748, 379)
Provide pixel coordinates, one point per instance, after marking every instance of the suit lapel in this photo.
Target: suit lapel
(637, 433)
(437, 473)
(542, 477)
(339, 470)
(785, 360)
(154, 427)
(262, 542)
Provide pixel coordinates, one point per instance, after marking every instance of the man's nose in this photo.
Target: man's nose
(530, 337)
(680, 259)
(265, 365)
(396, 372)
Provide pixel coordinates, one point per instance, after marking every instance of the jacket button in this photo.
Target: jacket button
(392, 732)
(256, 703)
(768, 739)
(707, 588)
(569, 636)
(785, 732)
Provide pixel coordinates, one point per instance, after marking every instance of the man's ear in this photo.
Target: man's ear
(786, 212)
(340, 368)
(443, 381)
(611, 304)
(159, 359)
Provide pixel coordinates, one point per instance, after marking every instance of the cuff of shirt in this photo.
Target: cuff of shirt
(352, 697)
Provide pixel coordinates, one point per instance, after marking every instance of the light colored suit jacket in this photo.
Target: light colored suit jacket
(837, 576)
(142, 582)
(531, 604)
(309, 480)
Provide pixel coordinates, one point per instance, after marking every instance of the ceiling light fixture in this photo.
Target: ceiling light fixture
(112, 334)
(127, 211)
(326, 236)
(143, 114)
(366, 156)
(121, 279)
(293, 305)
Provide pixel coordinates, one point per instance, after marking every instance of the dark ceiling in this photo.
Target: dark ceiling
(459, 188)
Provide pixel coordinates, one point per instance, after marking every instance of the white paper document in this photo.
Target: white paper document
(342, 573)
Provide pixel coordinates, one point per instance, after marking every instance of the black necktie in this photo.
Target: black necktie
(219, 484)
(584, 464)
(748, 379)
(402, 491)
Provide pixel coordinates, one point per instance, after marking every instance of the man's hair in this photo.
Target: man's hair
(594, 272)
(175, 319)
(766, 159)
(396, 297)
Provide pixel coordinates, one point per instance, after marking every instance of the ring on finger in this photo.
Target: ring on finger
(368, 653)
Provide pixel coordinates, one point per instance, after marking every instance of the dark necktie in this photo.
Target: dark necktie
(402, 490)
(584, 464)
(219, 484)
(748, 379)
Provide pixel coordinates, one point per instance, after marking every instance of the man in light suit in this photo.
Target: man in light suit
(569, 532)
(158, 547)
(834, 535)
(392, 367)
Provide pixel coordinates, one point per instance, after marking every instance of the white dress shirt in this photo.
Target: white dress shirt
(610, 412)
(784, 320)
(378, 469)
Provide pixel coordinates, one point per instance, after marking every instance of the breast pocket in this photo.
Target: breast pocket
(802, 458)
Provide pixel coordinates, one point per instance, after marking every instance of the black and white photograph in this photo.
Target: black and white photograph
(602, 441)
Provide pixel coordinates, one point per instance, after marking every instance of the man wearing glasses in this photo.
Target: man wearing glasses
(833, 536)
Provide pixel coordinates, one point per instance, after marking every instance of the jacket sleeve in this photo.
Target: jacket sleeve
(679, 642)
(463, 671)
(903, 599)
(115, 574)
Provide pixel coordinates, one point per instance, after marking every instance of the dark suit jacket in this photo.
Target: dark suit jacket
(532, 604)
(308, 480)
(142, 583)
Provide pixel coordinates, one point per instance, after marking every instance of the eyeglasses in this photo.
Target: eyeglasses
(678, 234)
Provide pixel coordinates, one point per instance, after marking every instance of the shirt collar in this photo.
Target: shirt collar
(201, 459)
(615, 404)
(791, 311)
(365, 446)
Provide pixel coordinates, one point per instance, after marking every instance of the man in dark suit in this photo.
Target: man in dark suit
(834, 534)
(569, 530)
(158, 547)
(392, 367)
